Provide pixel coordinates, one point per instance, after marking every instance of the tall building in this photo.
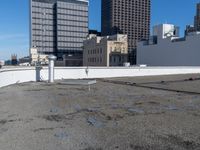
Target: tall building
(58, 26)
(196, 26)
(197, 18)
(131, 17)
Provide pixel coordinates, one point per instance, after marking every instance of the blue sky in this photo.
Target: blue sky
(14, 21)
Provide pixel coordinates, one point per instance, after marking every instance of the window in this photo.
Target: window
(101, 50)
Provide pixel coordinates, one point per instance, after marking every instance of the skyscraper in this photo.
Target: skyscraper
(196, 26)
(131, 17)
(58, 26)
(197, 18)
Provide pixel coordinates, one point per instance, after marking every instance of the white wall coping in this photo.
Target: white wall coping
(9, 76)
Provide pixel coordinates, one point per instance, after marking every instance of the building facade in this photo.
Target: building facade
(14, 60)
(197, 18)
(58, 26)
(166, 48)
(131, 17)
(2, 63)
(105, 51)
(36, 57)
(196, 26)
(163, 31)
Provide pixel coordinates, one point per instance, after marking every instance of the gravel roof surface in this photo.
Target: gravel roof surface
(141, 113)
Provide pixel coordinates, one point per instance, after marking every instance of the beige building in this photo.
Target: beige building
(105, 51)
(34, 56)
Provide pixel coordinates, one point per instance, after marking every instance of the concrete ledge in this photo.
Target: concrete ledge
(26, 74)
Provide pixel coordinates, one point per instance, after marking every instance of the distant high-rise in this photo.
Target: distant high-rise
(197, 18)
(131, 17)
(58, 26)
(196, 26)
(14, 59)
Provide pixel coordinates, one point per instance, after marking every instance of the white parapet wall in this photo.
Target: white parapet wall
(27, 74)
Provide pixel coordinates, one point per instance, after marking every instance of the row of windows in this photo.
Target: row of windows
(131, 3)
(43, 44)
(61, 5)
(39, 4)
(50, 36)
(95, 51)
(72, 23)
(134, 31)
(60, 23)
(42, 10)
(71, 34)
(73, 28)
(95, 60)
(40, 42)
(134, 28)
(50, 11)
(70, 39)
(122, 4)
(118, 49)
(67, 49)
(40, 33)
(72, 12)
(45, 49)
(132, 18)
(66, 22)
(83, 32)
(65, 44)
(64, 5)
(114, 59)
(41, 14)
(128, 7)
(142, 5)
(42, 38)
(44, 27)
(133, 15)
(72, 17)
(135, 11)
(132, 23)
(59, 27)
(42, 17)
(39, 24)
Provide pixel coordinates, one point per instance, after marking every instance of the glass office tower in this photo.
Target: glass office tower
(58, 26)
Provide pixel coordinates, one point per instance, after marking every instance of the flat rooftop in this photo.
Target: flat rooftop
(140, 113)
